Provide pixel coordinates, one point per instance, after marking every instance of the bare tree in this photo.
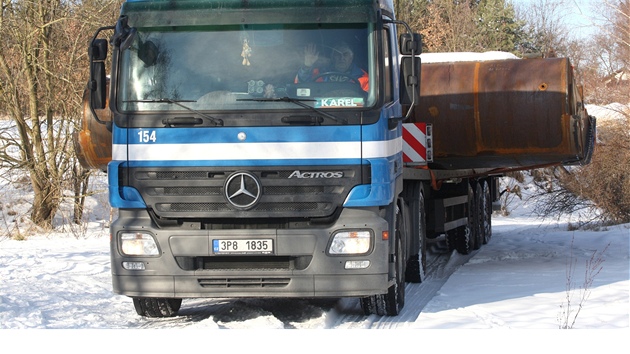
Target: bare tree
(466, 25)
(613, 21)
(408, 10)
(42, 55)
(546, 29)
(607, 78)
(447, 26)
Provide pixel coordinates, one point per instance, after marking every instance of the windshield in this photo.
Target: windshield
(248, 67)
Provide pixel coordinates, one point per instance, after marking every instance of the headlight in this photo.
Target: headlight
(138, 244)
(351, 242)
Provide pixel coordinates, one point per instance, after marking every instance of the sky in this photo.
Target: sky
(580, 13)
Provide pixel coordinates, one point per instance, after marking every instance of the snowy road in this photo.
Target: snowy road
(66, 284)
(518, 280)
(309, 313)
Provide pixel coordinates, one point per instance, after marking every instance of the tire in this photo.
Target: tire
(395, 297)
(478, 211)
(417, 262)
(391, 303)
(462, 238)
(157, 307)
(487, 213)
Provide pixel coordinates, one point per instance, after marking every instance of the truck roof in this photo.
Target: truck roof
(219, 12)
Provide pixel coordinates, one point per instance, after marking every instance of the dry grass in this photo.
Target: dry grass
(606, 180)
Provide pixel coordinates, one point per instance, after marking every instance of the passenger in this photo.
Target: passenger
(343, 67)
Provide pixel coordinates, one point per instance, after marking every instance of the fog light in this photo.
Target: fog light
(351, 242)
(133, 265)
(357, 264)
(138, 244)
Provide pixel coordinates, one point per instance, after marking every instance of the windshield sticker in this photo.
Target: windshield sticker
(339, 102)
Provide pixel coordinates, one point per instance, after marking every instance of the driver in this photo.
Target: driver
(342, 67)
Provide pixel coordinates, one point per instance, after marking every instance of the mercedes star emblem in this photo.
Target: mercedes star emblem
(242, 190)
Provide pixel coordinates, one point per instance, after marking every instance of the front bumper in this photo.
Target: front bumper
(300, 266)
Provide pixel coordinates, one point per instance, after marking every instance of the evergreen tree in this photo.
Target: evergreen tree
(464, 25)
(497, 28)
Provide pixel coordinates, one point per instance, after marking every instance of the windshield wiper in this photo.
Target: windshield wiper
(216, 121)
(299, 102)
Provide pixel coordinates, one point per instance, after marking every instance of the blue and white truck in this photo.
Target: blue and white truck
(235, 177)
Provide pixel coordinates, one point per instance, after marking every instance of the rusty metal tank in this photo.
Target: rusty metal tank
(93, 142)
(504, 113)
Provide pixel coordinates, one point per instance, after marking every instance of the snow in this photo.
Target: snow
(610, 112)
(465, 56)
(531, 276)
(61, 280)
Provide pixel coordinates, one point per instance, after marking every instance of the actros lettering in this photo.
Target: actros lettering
(326, 174)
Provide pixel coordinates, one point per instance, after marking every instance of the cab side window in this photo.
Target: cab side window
(387, 65)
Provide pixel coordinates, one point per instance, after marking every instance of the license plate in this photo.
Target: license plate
(263, 246)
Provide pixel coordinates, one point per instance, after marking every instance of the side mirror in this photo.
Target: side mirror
(410, 44)
(409, 80)
(410, 48)
(98, 53)
(98, 84)
(98, 49)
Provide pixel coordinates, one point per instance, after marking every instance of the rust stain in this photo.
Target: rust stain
(93, 143)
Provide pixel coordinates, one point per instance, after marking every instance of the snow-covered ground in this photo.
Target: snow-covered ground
(534, 274)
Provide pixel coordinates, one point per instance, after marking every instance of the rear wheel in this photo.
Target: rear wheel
(462, 238)
(157, 307)
(478, 211)
(487, 213)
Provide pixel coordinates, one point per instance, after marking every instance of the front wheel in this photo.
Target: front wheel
(417, 263)
(391, 303)
(156, 307)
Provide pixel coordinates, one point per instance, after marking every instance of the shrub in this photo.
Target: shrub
(606, 180)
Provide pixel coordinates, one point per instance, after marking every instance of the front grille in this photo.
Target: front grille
(245, 263)
(256, 263)
(184, 191)
(199, 193)
(214, 207)
(225, 283)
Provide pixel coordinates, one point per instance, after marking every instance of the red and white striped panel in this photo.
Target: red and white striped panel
(417, 143)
